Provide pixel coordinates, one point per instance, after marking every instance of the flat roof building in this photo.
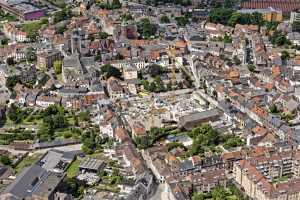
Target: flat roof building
(91, 165)
(190, 121)
(23, 9)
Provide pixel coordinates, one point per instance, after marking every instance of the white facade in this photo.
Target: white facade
(294, 17)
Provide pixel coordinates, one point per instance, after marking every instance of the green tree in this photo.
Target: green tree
(285, 55)
(11, 81)
(63, 14)
(220, 15)
(227, 38)
(146, 85)
(10, 61)
(182, 21)
(61, 29)
(164, 19)
(160, 85)
(278, 38)
(57, 65)
(236, 60)
(233, 141)
(251, 67)
(126, 17)
(173, 145)
(103, 35)
(229, 3)
(32, 28)
(198, 196)
(152, 87)
(219, 193)
(73, 186)
(15, 113)
(273, 109)
(4, 41)
(271, 26)
(155, 70)
(30, 54)
(146, 29)
(240, 18)
(5, 160)
(109, 70)
(84, 116)
(116, 4)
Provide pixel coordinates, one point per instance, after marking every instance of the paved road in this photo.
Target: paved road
(74, 147)
(12, 151)
(161, 193)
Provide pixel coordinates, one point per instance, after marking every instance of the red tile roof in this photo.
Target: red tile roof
(283, 5)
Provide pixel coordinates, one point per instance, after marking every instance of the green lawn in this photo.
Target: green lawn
(281, 179)
(232, 197)
(73, 169)
(98, 155)
(26, 162)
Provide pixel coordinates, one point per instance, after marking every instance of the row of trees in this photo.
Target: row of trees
(228, 16)
(6, 139)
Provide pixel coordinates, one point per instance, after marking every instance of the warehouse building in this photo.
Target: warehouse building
(23, 9)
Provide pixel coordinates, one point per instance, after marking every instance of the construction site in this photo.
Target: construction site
(161, 109)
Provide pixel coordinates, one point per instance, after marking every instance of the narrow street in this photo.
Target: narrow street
(161, 193)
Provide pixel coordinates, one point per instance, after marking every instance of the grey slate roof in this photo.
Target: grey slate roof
(91, 163)
(33, 180)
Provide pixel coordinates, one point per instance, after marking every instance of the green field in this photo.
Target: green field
(73, 169)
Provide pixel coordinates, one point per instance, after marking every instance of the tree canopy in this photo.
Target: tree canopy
(108, 70)
(228, 16)
(251, 68)
(182, 21)
(57, 65)
(155, 70)
(220, 15)
(5, 160)
(164, 19)
(278, 38)
(30, 54)
(164, 2)
(146, 29)
(16, 114)
(115, 4)
(11, 81)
